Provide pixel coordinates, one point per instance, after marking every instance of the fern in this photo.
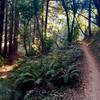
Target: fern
(73, 76)
(25, 79)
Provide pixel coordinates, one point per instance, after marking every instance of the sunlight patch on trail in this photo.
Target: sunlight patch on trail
(4, 70)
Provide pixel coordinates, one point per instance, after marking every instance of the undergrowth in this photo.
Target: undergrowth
(36, 79)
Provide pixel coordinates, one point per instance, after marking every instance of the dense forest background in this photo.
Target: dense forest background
(40, 45)
(29, 23)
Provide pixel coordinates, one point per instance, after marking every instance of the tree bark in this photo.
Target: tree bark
(16, 28)
(6, 30)
(97, 5)
(37, 29)
(73, 22)
(46, 16)
(2, 3)
(68, 25)
(11, 29)
(24, 37)
(89, 21)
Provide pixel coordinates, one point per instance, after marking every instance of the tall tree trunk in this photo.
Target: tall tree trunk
(11, 30)
(37, 28)
(98, 18)
(42, 20)
(46, 16)
(2, 3)
(16, 27)
(73, 22)
(40, 36)
(67, 15)
(89, 21)
(6, 30)
(97, 5)
(24, 37)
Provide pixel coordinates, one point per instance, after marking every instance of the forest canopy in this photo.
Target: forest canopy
(33, 23)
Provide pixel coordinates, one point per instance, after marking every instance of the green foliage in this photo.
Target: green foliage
(61, 58)
(26, 9)
(48, 43)
(73, 75)
(31, 52)
(24, 81)
(29, 8)
(44, 74)
(6, 90)
(5, 93)
(76, 33)
(1, 60)
(35, 94)
(60, 77)
(26, 66)
(29, 95)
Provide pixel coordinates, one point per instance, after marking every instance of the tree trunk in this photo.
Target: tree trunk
(89, 21)
(73, 22)
(40, 36)
(97, 5)
(37, 28)
(6, 30)
(16, 27)
(11, 30)
(25, 46)
(98, 18)
(68, 25)
(24, 37)
(2, 3)
(46, 16)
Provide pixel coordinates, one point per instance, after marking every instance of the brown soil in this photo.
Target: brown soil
(91, 74)
(9, 65)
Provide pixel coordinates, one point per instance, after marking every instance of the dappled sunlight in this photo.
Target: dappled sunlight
(46, 49)
(5, 69)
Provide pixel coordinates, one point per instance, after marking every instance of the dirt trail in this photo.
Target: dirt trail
(92, 90)
(5, 70)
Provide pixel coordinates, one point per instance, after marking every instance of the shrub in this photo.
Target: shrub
(26, 66)
(56, 78)
(23, 84)
(35, 94)
(5, 93)
(1, 60)
(48, 43)
(31, 52)
(6, 90)
(57, 69)
(70, 76)
(24, 80)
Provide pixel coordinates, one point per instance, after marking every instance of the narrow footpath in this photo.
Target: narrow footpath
(92, 90)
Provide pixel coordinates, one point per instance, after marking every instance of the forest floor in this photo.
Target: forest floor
(90, 88)
(5, 70)
(9, 66)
